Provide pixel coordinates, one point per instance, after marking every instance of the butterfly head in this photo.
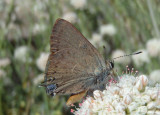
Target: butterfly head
(110, 64)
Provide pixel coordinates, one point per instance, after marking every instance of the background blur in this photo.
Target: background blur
(122, 26)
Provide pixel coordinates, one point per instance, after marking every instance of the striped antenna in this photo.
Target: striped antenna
(127, 55)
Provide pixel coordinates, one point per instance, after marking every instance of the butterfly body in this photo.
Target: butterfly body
(74, 66)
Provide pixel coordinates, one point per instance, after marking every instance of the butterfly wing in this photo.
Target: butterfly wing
(73, 61)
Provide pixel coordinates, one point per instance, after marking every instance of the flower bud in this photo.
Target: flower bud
(127, 99)
(157, 112)
(142, 110)
(151, 112)
(133, 106)
(139, 85)
(151, 105)
(144, 80)
(98, 94)
(120, 108)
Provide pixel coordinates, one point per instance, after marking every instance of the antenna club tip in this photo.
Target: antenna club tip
(138, 52)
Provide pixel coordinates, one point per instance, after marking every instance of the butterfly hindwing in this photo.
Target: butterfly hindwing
(73, 61)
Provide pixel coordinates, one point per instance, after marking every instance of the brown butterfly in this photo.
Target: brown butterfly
(74, 66)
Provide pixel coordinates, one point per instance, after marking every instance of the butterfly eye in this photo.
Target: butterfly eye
(111, 64)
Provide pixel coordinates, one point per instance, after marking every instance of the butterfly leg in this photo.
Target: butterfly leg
(114, 75)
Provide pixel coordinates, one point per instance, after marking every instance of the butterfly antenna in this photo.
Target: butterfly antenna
(128, 55)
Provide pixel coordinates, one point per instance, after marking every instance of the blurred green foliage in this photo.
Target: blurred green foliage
(18, 94)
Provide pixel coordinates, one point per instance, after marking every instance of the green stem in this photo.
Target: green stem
(153, 18)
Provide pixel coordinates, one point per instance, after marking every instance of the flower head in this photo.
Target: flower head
(22, 54)
(37, 28)
(130, 95)
(70, 16)
(37, 80)
(78, 4)
(42, 60)
(4, 62)
(139, 60)
(153, 47)
(155, 76)
(97, 40)
(108, 29)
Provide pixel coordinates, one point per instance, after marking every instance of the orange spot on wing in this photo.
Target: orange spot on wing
(75, 98)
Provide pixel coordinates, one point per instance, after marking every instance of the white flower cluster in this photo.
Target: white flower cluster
(108, 29)
(152, 50)
(153, 47)
(35, 10)
(154, 76)
(22, 54)
(97, 40)
(142, 58)
(70, 16)
(78, 4)
(37, 80)
(4, 62)
(130, 95)
(42, 60)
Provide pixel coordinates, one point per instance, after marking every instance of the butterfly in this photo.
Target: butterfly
(74, 67)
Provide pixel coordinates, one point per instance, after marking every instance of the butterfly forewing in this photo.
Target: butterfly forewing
(73, 62)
